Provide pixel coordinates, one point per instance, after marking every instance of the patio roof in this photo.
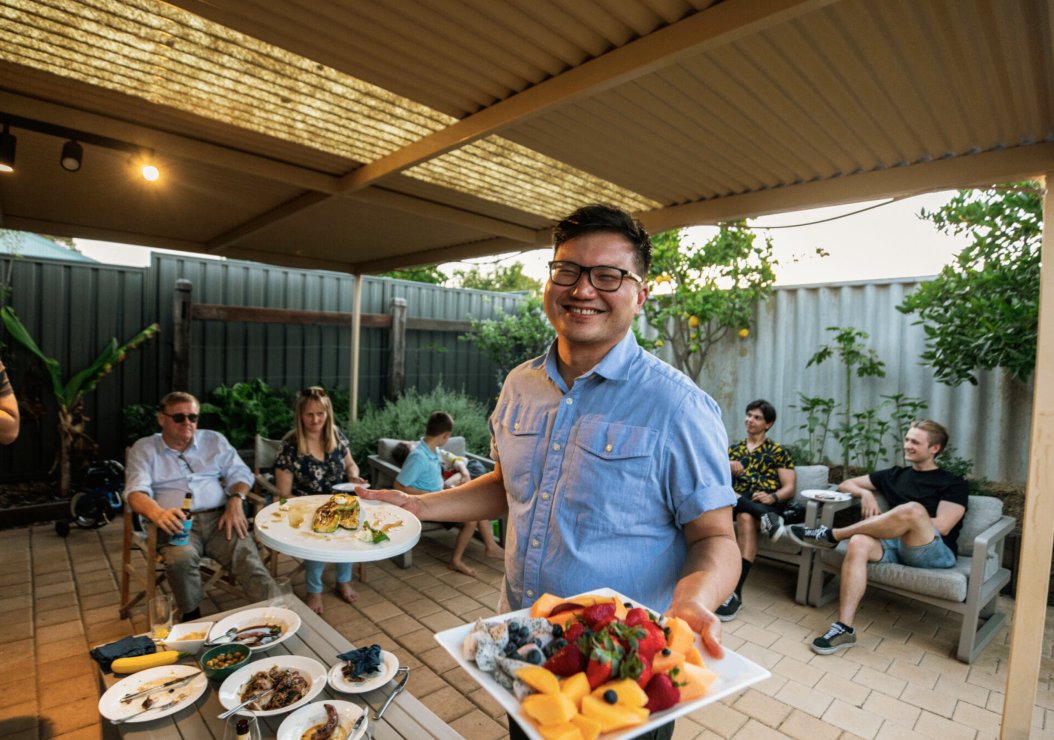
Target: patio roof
(364, 136)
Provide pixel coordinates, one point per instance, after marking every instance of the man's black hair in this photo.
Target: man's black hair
(599, 218)
(766, 408)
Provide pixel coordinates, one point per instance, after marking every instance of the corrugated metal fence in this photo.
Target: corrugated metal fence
(988, 423)
(73, 309)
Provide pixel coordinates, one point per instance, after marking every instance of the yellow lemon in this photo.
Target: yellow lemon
(659, 342)
(693, 321)
(744, 333)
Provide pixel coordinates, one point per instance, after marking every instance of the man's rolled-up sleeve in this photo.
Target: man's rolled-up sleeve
(698, 478)
(232, 467)
(137, 475)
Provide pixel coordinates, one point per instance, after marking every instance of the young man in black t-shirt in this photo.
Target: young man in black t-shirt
(921, 528)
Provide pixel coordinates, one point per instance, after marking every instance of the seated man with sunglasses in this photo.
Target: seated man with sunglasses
(161, 469)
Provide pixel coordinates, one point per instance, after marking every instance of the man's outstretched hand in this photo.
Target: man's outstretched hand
(396, 498)
(703, 621)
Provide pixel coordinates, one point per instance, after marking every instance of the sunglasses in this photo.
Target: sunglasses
(314, 392)
(180, 418)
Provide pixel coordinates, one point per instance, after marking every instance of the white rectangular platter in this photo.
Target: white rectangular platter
(734, 672)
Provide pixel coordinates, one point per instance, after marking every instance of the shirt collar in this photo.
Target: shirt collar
(613, 366)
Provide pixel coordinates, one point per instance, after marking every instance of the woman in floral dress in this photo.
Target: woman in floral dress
(314, 457)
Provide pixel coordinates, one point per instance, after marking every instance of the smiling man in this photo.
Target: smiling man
(920, 529)
(161, 469)
(611, 464)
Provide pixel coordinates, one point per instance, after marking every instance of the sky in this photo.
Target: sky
(888, 241)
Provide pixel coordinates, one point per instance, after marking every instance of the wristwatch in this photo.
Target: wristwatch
(242, 496)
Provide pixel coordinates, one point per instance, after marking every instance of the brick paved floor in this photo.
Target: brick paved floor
(57, 596)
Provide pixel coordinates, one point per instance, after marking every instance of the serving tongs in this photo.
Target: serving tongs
(405, 670)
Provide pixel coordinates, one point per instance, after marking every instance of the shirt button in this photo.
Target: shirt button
(556, 446)
(609, 448)
(569, 401)
(545, 495)
(530, 593)
(535, 543)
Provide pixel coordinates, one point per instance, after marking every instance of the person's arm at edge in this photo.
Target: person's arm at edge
(481, 498)
(862, 488)
(9, 419)
(787, 480)
(708, 578)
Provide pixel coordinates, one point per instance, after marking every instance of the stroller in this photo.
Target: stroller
(97, 500)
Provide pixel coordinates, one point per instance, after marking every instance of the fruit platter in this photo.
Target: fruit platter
(594, 665)
(337, 528)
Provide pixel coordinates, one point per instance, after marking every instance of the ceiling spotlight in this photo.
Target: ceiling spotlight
(7, 150)
(71, 156)
(150, 172)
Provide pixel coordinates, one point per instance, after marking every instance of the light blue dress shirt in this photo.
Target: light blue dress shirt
(422, 470)
(166, 475)
(602, 478)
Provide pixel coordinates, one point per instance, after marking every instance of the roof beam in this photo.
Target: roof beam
(454, 253)
(945, 174)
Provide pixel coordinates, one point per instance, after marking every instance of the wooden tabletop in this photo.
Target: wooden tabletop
(406, 717)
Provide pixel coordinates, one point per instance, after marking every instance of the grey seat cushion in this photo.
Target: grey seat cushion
(809, 478)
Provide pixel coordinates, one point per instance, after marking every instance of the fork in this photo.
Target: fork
(170, 704)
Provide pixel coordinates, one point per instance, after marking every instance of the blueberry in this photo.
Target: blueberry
(611, 696)
(666, 651)
(558, 631)
(536, 657)
(510, 650)
(627, 604)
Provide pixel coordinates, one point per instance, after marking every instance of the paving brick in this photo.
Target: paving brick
(720, 718)
(441, 620)
(438, 660)
(938, 702)
(853, 719)
(476, 724)
(976, 695)
(448, 704)
(755, 730)
(980, 719)
(933, 726)
(895, 732)
(757, 635)
(74, 715)
(894, 710)
(805, 698)
(765, 709)
(913, 674)
(807, 727)
(487, 704)
(879, 681)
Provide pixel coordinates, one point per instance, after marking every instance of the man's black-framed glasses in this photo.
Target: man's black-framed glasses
(602, 277)
(180, 418)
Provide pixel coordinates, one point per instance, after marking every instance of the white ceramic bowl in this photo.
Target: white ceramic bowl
(177, 637)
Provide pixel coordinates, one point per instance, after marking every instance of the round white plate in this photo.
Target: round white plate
(349, 487)
(296, 724)
(389, 665)
(287, 619)
(110, 705)
(230, 693)
(826, 496)
(273, 527)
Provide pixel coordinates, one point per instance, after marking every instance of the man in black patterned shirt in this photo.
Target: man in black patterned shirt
(763, 479)
(9, 419)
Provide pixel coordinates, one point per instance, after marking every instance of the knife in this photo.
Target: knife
(358, 724)
(246, 703)
(167, 685)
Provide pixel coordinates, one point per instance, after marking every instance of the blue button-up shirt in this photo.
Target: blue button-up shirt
(602, 477)
(166, 474)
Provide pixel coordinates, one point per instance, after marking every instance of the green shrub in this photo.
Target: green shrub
(963, 467)
(244, 410)
(405, 418)
(140, 420)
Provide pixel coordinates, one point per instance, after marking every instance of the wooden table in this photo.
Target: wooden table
(406, 717)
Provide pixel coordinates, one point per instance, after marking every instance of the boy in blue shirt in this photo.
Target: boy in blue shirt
(422, 472)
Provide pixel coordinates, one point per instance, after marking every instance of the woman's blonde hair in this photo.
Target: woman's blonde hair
(329, 431)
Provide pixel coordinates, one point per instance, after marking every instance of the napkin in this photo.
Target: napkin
(128, 647)
(362, 661)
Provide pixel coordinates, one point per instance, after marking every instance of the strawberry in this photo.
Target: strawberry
(597, 613)
(637, 615)
(662, 693)
(568, 661)
(574, 631)
(604, 658)
(653, 642)
(636, 667)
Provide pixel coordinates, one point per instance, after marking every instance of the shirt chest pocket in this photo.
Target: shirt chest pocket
(610, 455)
(519, 435)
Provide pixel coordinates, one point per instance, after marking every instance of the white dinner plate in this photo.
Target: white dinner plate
(826, 496)
(734, 673)
(110, 705)
(274, 526)
(296, 724)
(349, 487)
(389, 665)
(230, 693)
(287, 619)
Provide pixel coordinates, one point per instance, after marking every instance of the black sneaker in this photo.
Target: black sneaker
(812, 536)
(772, 525)
(839, 637)
(728, 610)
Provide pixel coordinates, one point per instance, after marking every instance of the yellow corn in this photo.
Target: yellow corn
(142, 662)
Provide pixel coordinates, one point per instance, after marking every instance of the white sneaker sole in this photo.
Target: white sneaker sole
(829, 651)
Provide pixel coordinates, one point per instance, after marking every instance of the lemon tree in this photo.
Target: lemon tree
(700, 292)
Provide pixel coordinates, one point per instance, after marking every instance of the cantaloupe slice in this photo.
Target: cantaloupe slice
(562, 731)
(666, 663)
(697, 681)
(590, 727)
(549, 709)
(565, 616)
(545, 604)
(693, 656)
(681, 636)
(629, 693)
(540, 679)
(613, 716)
(575, 687)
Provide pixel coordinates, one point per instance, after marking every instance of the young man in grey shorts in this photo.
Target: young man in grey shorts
(920, 529)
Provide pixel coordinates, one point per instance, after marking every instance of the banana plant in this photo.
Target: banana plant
(70, 395)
